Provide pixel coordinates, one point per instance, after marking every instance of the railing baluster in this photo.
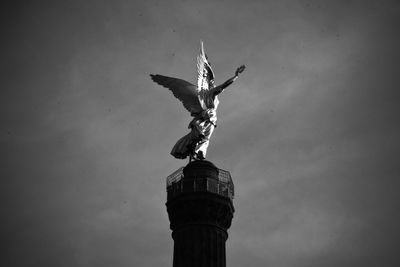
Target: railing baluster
(224, 186)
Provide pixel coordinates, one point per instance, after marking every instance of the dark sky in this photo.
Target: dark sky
(310, 132)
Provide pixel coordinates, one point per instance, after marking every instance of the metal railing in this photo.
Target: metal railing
(177, 185)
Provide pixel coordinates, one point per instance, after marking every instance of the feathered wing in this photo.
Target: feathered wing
(186, 92)
(205, 75)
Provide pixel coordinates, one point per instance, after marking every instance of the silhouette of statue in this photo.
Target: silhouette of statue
(202, 103)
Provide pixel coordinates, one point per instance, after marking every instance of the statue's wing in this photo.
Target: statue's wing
(186, 92)
(205, 74)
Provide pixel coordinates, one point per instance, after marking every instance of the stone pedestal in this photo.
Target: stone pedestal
(200, 211)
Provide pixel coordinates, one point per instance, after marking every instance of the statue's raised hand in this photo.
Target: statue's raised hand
(239, 70)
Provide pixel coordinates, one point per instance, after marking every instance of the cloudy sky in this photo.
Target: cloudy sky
(310, 131)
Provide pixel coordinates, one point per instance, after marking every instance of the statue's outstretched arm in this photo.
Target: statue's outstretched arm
(217, 90)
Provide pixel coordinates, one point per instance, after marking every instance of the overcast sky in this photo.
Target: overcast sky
(310, 131)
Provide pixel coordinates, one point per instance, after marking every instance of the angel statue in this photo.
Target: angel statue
(202, 102)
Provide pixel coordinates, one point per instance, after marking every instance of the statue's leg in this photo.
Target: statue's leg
(201, 147)
(185, 146)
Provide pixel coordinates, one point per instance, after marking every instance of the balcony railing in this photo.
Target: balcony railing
(176, 185)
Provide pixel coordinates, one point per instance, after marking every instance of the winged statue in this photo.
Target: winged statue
(201, 101)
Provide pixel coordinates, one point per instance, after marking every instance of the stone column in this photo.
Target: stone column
(200, 211)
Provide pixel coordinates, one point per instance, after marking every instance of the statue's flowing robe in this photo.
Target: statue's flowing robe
(202, 126)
